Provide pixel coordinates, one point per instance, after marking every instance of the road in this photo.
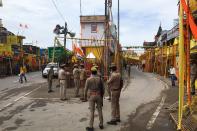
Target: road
(29, 107)
(8, 83)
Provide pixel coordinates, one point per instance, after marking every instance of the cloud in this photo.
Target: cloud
(139, 19)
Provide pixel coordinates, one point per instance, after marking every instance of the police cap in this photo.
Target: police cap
(93, 69)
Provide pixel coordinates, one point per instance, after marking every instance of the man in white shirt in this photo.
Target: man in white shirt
(172, 75)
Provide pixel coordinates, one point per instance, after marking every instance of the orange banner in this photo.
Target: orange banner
(191, 20)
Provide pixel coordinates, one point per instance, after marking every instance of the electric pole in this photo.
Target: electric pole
(1, 3)
(63, 30)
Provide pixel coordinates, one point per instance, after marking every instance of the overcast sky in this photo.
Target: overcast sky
(139, 21)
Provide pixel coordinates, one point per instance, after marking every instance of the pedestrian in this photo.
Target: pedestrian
(50, 79)
(172, 75)
(115, 87)
(76, 75)
(82, 78)
(96, 87)
(62, 80)
(22, 74)
(193, 76)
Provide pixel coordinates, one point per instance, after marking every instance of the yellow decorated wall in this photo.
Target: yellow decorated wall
(97, 51)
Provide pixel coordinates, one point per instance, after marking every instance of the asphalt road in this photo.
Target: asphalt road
(28, 107)
(8, 83)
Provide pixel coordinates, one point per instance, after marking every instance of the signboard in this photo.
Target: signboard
(58, 52)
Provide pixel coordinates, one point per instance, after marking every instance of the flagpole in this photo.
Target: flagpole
(181, 67)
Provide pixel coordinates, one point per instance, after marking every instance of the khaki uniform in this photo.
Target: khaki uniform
(114, 84)
(193, 76)
(82, 79)
(76, 75)
(62, 79)
(50, 78)
(94, 85)
(109, 91)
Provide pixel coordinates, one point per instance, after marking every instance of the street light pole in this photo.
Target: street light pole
(1, 3)
(65, 34)
(64, 31)
(118, 21)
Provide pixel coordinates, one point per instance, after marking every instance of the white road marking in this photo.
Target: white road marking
(8, 104)
(19, 98)
(43, 98)
(155, 114)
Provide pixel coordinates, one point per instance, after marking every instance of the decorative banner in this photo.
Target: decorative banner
(76, 49)
(191, 20)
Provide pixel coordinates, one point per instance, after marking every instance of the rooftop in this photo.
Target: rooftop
(92, 18)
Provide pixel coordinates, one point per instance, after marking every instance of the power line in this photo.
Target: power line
(58, 11)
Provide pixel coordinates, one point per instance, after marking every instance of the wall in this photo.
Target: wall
(87, 34)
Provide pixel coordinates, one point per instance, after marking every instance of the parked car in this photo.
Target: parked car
(46, 69)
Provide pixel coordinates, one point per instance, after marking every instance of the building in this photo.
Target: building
(10, 51)
(99, 38)
(94, 27)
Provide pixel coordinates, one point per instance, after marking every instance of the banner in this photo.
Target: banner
(191, 20)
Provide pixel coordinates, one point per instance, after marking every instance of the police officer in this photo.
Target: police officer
(193, 76)
(96, 87)
(50, 79)
(115, 87)
(62, 79)
(82, 77)
(100, 75)
(76, 75)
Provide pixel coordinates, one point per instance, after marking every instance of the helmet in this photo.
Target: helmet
(93, 69)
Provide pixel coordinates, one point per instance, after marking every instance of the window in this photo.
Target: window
(94, 28)
(3, 39)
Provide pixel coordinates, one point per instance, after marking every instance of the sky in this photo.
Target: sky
(139, 20)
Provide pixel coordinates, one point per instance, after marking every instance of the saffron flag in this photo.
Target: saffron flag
(20, 25)
(26, 26)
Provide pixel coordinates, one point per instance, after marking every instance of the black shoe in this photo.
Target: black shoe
(101, 127)
(50, 91)
(89, 129)
(118, 120)
(112, 123)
